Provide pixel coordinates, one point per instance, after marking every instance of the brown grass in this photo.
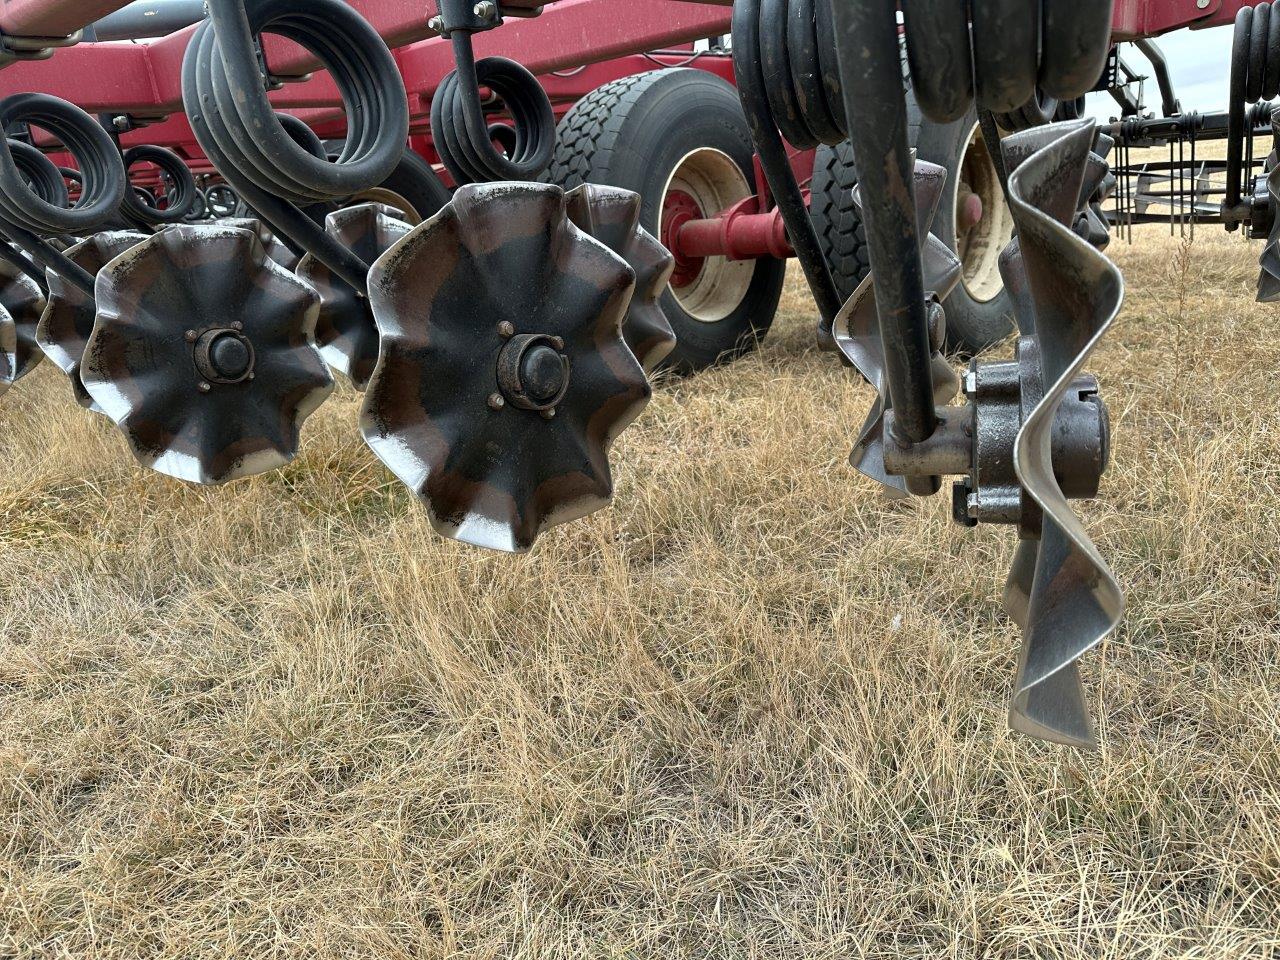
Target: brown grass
(751, 711)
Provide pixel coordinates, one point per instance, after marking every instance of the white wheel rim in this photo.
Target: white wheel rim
(979, 246)
(715, 183)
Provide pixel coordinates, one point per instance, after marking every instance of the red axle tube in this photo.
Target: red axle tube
(739, 233)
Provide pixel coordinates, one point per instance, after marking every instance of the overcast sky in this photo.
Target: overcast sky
(1199, 61)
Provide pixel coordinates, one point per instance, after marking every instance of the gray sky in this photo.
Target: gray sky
(1199, 61)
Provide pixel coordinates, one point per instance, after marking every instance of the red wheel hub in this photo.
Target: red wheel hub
(678, 208)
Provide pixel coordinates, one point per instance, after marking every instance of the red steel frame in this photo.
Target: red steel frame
(600, 40)
(143, 79)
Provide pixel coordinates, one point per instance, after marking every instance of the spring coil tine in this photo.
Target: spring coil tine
(461, 131)
(752, 91)
(185, 194)
(359, 62)
(1259, 32)
(825, 116)
(1271, 80)
(779, 85)
(103, 184)
(1074, 38)
(1006, 37)
(939, 57)
(1073, 601)
(46, 179)
(258, 153)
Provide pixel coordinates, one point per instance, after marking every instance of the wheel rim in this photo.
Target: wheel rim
(705, 182)
(983, 221)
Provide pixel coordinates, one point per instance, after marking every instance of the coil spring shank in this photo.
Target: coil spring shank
(224, 96)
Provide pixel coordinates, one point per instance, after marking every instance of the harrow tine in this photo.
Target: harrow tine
(1073, 601)
(857, 331)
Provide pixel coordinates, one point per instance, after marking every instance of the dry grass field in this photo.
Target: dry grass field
(751, 711)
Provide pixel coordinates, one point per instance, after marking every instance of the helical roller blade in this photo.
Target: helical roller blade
(857, 330)
(1091, 221)
(1060, 590)
(1269, 263)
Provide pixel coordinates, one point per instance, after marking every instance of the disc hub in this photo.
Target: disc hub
(533, 373)
(223, 355)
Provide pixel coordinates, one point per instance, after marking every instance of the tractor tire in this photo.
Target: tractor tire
(678, 138)
(979, 310)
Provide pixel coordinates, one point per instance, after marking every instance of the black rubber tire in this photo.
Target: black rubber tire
(633, 133)
(413, 179)
(972, 325)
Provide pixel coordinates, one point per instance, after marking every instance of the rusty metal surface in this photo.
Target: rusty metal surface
(69, 315)
(612, 216)
(501, 270)
(857, 330)
(204, 354)
(346, 332)
(23, 301)
(1068, 600)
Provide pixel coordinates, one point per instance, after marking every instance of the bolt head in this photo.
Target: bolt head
(506, 329)
(496, 401)
(549, 414)
(191, 336)
(435, 24)
(204, 387)
(237, 325)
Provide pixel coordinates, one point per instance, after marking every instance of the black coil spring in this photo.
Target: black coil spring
(788, 73)
(1255, 76)
(44, 211)
(224, 95)
(182, 194)
(998, 52)
(463, 135)
(46, 180)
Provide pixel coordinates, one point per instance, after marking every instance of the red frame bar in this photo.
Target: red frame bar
(53, 18)
(1136, 19)
(144, 79)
